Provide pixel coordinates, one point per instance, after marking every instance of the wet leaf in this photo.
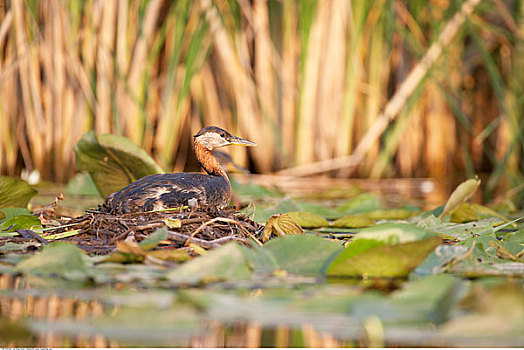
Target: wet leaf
(281, 225)
(500, 313)
(112, 161)
(440, 258)
(353, 221)
(462, 193)
(56, 259)
(305, 219)
(387, 250)
(224, 263)
(362, 203)
(390, 214)
(20, 222)
(428, 299)
(301, 255)
(6, 213)
(15, 192)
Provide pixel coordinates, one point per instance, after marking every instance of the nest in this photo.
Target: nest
(97, 232)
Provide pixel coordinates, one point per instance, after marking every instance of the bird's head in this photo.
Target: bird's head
(212, 137)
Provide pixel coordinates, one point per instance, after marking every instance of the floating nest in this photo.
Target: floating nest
(97, 232)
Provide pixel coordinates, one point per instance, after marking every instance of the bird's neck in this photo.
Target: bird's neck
(207, 161)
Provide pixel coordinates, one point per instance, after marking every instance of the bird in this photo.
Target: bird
(172, 190)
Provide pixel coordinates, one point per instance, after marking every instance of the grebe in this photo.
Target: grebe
(163, 191)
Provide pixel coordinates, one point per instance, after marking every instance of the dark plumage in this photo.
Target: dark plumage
(162, 191)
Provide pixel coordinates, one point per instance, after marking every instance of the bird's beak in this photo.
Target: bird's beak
(241, 142)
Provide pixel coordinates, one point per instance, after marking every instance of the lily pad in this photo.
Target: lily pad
(56, 259)
(226, 262)
(305, 219)
(387, 250)
(113, 161)
(15, 192)
(353, 221)
(20, 222)
(301, 255)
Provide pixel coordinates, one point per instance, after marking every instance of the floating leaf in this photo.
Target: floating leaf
(462, 193)
(387, 250)
(58, 258)
(226, 262)
(305, 219)
(15, 192)
(499, 314)
(390, 214)
(301, 255)
(112, 161)
(373, 259)
(6, 213)
(281, 225)
(362, 203)
(20, 222)
(353, 221)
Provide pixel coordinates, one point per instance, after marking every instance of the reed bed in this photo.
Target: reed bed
(308, 80)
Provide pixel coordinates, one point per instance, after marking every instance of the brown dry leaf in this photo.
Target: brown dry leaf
(281, 225)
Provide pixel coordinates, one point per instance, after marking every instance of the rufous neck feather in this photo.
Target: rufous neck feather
(207, 160)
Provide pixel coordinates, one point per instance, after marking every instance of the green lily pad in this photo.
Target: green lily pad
(390, 214)
(15, 192)
(387, 250)
(112, 161)
(20, 222)
(363, 203)
(300, 255)
(225, 263)
(56, 259)
(305, 219)
(353, 221)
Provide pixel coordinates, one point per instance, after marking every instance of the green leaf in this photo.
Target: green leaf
(224, 263)
(112, 161)
(372, 258)
(82, 184)
(301, 255)
(390, 214)
(394, 233)
(154, 239)
(15, 192)
(305, 219)
(6, 213)
(353, 221)
(363, 203)
(58, 258)
(20, 222)
(387, 250)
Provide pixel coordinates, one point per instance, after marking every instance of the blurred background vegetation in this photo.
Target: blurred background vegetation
(305, 79)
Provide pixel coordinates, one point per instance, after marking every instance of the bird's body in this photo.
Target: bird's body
(163, 191)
